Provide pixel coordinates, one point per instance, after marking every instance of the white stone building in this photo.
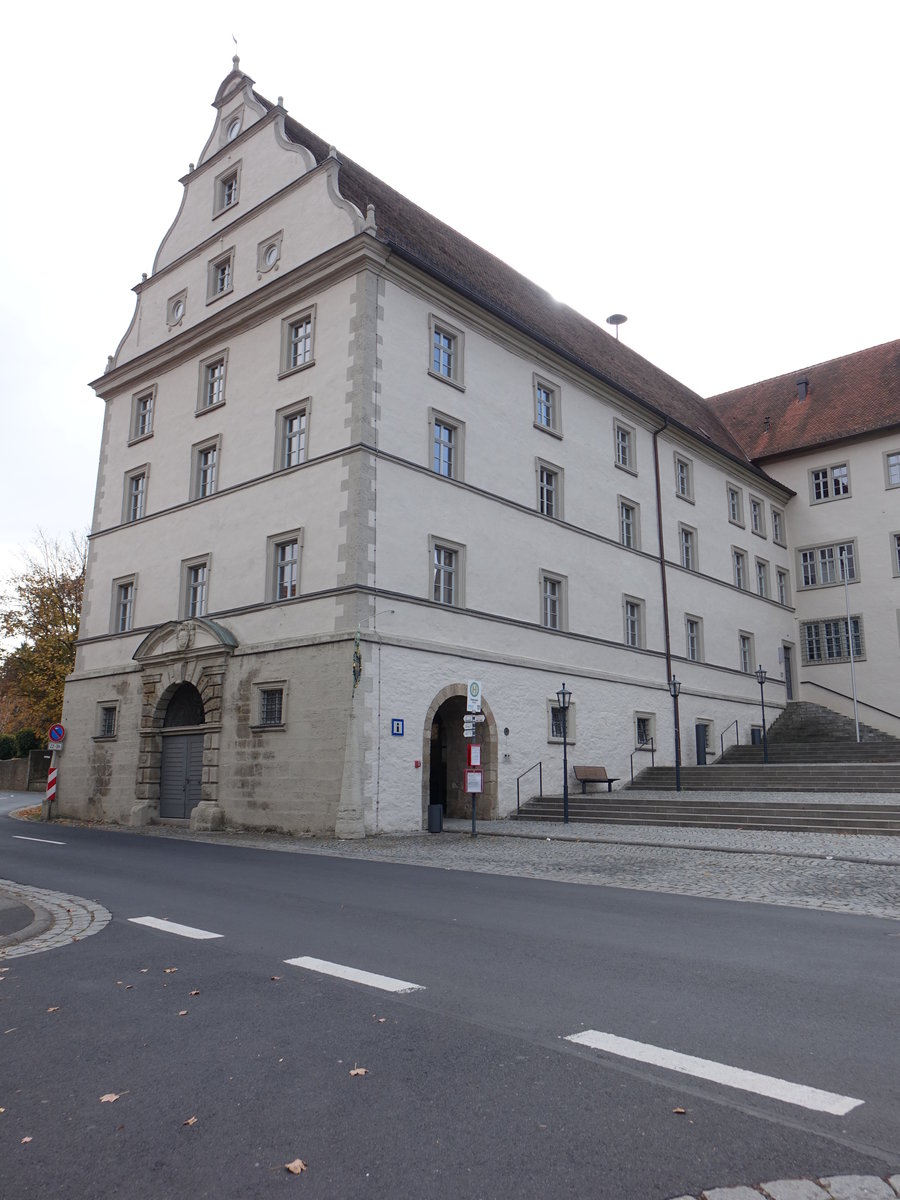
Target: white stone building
(333, 413)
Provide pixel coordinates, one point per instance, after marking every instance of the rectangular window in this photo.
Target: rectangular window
(446, 444)
(778, 527)
(107, 720)
(220, 276)
(196, 588)
(553, 601)
(782, 583)
(822, 566)
(625, 450)
(828, 640)
(546, 406)
(226, 189)
(687, 539)
(271, 706)
(445, 575)
(739, 561)
(293, 437)
(757, 516)
(762, 578)
(555, 714)
(633, 616)
(549, 489)
(745, 652)
(124, 614)
(446, 352)
(895, 553)
(644, 729)
(136, 495)
(629, 524)
(212, 382)
(298, 341)
(892, 469)
(693, 637)
(735, 505)
(142, 415)
(206, 470)
(287, 569)
(684, 478)
(829, 483)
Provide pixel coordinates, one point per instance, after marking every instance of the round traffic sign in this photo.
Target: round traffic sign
(57, 733)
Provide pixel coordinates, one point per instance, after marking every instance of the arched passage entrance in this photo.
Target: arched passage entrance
(181, 769)
(444, 756)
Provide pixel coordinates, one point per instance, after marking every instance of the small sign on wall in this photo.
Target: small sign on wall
(396, 727)
(473, 782)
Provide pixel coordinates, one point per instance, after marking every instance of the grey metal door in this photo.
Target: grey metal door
(788, 673)
(181, 774)
(700, 735)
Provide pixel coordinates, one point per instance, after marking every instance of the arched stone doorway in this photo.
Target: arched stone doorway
(181, 768)
(444, 757)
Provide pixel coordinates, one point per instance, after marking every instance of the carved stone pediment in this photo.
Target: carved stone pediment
(185, 639)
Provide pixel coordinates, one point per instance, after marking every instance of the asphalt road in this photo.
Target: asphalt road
(471, 1088)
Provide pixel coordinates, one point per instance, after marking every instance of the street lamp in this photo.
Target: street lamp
(674, 690)
(761, 679)
(564, 696)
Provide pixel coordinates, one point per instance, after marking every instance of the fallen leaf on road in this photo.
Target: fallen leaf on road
(183, 1013)
(128, 987)
(110, 1097)
(296, 1166)
(190, 1121)
(359, 1071)
(13, 1030)
(54, 1009)
(2, 1110)
(274, 979)
(169, 970)
(680, 1111)
(118, 983)
(144, 970)
(194, 993)
(24, 1140)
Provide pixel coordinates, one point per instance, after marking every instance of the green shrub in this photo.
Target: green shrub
(7, 746)
(26, 739)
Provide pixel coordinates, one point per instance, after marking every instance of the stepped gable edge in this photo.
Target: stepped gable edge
(438, 249)
(845, 397)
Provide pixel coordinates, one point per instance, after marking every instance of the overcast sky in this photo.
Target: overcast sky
(724, 174)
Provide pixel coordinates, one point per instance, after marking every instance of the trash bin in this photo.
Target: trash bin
(435, 818)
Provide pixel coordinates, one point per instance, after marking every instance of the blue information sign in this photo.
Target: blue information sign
(396, 727)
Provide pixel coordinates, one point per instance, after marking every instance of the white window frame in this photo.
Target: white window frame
(822, 480)
(458, 590)
(734, 499)
(107, 727)
(268, 254)
(291, 362)
(143, 410)
(273, 563)
(820, 633)
(283, 416)
(761, 574)
(259, 690)
(739, 567)
(556, 587)
(452, 344)
(895, 553)
(634, 622)
(549, 483)
(554, 722)
(202, 487)
(688, 540)
(812, 559)
(122, 614)
(746, 652)
(892, 468)
(783, 586)
(227, 189)
(220, 276)
(684, 477)
(622, 503)
(189, 584)
(547, 412)
(779, 528)
(757, 515)
(458, 429)
(625, 446)
(128, 495)
(693, 639)
(212, 391)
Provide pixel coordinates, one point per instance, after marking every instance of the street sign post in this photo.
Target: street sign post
(57, 733)
(474, 784)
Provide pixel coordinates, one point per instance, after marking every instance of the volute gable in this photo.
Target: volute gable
(183, 639)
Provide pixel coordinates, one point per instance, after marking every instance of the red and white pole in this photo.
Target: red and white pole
(51, 783)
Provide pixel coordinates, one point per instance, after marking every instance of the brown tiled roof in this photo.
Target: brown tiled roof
(845, 397)
(446, 254)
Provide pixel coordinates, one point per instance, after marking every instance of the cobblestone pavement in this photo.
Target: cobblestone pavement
(59, 920)
(832, 1187)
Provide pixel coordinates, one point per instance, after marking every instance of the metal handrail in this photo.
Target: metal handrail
(737, 737)
(646, 747)
(540, 768)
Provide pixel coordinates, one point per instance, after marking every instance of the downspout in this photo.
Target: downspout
(664, 589)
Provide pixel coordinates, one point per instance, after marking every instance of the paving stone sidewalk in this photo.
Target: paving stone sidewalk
(832, 1187)
(57, 919)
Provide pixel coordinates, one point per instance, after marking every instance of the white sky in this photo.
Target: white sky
(725, 174)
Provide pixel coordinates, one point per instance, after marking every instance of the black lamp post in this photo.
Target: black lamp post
(761, 679)
(564, 696)
(674, 690)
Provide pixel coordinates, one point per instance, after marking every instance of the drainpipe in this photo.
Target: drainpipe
(664, 589)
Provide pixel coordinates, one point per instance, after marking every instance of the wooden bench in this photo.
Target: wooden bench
(586, 775)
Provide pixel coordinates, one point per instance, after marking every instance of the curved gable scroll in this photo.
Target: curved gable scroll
(184, 639)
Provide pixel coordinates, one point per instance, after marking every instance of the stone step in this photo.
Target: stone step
(814, 752)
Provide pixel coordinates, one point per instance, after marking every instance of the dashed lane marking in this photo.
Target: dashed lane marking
(704, 1068)
(173, 927)
(384, 982)
(21, 837)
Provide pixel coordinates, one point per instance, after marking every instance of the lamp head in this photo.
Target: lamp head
(674, 687)
(564, 696)
(760, 675)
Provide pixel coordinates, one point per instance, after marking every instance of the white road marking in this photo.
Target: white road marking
(703, 1068)
(47, 841)
(355, 976)
(173, 927)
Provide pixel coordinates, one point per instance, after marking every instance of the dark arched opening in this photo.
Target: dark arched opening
(181, 773)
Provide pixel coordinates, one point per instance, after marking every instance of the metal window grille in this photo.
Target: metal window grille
(108, 721)
(271, 706)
